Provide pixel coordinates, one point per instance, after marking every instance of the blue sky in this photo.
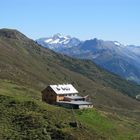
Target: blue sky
(103, 19)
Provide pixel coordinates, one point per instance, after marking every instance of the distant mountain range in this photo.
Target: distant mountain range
(111, 55)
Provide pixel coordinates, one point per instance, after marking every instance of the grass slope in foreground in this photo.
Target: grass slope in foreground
(24, 116)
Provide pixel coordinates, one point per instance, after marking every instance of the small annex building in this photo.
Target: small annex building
(65, 95)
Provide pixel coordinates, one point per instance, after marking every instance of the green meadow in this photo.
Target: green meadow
(24, 116)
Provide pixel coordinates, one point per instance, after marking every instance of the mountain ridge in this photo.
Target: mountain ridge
(11, 34)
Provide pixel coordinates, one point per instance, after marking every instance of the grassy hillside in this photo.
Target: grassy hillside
(24, 116)
(25, 62)
(27, 68)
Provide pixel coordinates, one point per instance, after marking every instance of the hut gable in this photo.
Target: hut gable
(48, 95)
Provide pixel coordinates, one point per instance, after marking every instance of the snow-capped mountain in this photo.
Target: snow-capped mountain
(59, 42)
(111, 55)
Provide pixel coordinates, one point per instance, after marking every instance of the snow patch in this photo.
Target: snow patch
(117, 43)
(66, 42)
(48, 40)
(95, 56)
(55, 41)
